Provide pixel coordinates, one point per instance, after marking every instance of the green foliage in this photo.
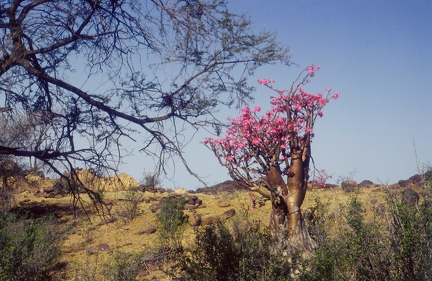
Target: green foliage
(9, 171)
(171, 219)
(150, 179)
(29, 249)
(363, 245)
(395, 246)
(119, 266)
(428, 175)
(65, 183)
(241, 252)
(122, 267)
(411, 238)
(130, 206)
(89, 270)
(62, 185)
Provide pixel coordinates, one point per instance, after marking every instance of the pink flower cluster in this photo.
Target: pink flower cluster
(265, 81)
(253, 140)
(311, 69)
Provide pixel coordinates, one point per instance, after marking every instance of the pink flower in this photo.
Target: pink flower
(207, 140)
(252, 136)
(310, 69)
(297, 107)
(245, 110)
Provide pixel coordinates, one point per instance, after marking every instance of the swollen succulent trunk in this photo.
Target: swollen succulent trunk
(286, 202)
(297, 183)
(279, 212)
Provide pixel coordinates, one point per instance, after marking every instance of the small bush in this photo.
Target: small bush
(65, 184)
(123, 267)
(10, 172)
(171, 219)
(428, 175)
(150, 179)
(411, 238)
(89, 270)
(130, 207)
(241, 252)
(7, 198)
(396, 246)
(29, 249)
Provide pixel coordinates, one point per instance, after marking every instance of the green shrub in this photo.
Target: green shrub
(89, 270)
(29, 249)
(171, 220)
(395, 246)
(129, 208)
(411, 238)
(428, 175)
(365, 249)
(243, 251)
(122, 266)
(151, 179)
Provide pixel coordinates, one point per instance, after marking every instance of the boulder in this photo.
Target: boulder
(349, 185)
(416, 178)
(329, 185)
(226, 186)
(189, 206)
(108, 202)
(195, 200)
(143, 273)
(194, 220)
(49, 189)
(380, 209)
(404, 183)
(314, 185)
(224, 203)
(49, 195)
(154, 207)
(228, 214)
(103, 247)
(180, 191)
(147, 231)
(394, 187)
(39, 194)
(209, 221)
(410, 197)
(366, 183)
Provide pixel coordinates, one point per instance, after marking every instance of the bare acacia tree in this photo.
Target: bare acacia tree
(26, 130)
(99, 72)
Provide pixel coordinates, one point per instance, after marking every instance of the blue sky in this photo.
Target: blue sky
(376, 54)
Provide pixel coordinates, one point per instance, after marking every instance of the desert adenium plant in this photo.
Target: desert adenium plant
(259, 150)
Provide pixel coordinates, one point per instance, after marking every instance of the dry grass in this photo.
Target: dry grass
(81, 249)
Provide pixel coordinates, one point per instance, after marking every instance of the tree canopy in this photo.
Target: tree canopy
(261, 150)
(91, 74)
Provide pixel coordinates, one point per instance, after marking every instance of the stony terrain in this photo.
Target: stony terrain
(94, 237)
